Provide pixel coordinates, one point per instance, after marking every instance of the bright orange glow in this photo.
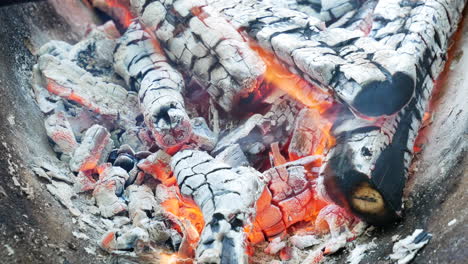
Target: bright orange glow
(292, 84)
(122, 12)
(185, 209)
(312, 136)
(168, 258)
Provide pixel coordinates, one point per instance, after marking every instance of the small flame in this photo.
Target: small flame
(293, 85)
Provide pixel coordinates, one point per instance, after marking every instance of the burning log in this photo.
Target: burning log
(204, 44)
(159, 86)
(367, 170)
(368, 76)
(93, 150)
(225, 195)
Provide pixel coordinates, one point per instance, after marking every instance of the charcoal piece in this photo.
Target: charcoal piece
(233, 156)
(310, 134)
(142, 204)
(202, 136)
(125, 161)
(145, 69)
(59, 130)
(93, 150)
(259, 131)
(226, 197)
(123, 240)
(157, 165)
(205, 45)
(108, 189)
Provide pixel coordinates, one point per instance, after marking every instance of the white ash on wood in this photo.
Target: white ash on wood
(205, 45)
(358, 69)
(159, 85)
(225, 195)
(83, 74)
(93, 149)
(367, 170)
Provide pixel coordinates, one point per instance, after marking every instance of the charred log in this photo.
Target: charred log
(204, 44)
(370, 77)
(159, 86)
(367, 170)
(225, 195)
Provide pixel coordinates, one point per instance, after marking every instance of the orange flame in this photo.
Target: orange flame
(314, 125)
(293, 85)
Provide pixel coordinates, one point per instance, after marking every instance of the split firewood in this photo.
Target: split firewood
(145, 69)
(366, 171)
(205, 45)
(93, 150)
(225, 195)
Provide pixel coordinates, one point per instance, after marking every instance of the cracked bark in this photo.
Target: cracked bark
(371, 78)
(367, 170)
(205, 45)
(225, 195)
(159, 85)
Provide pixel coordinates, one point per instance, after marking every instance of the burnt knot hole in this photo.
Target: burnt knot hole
(217, 217)
(163, 114)
(236, 224)
(365, 151)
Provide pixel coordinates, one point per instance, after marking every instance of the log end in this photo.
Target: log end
(350, 188)
(387, 97)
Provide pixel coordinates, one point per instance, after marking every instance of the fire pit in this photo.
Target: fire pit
(232, 131)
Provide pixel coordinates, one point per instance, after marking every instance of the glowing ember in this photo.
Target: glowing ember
(126, 16)
(168, 259)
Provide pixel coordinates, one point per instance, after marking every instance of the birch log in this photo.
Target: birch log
(159, 86)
